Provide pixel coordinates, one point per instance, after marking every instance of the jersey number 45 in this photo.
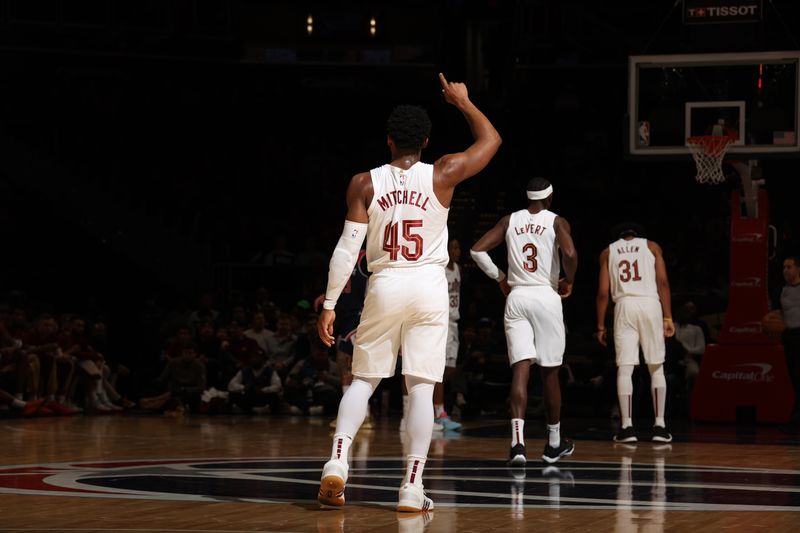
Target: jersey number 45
(392, 245)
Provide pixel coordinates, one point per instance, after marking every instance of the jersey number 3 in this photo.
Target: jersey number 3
(530, 263)
(625, 271)
(391, 243)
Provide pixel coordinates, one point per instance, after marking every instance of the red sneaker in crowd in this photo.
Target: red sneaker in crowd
(32, 407)
(59, 409)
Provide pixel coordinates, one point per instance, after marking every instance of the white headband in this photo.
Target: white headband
(540, 195)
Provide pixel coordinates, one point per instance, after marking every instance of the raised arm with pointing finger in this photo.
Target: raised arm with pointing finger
(452, 169)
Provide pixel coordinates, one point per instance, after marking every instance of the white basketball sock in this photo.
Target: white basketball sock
(341, 447)
(554, 434)
(414, 467)
(517, 431)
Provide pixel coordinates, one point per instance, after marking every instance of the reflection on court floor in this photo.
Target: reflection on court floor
(637, 488)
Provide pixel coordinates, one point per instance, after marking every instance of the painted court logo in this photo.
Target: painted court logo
(451, 482)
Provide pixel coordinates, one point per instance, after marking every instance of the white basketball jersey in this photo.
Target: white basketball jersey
(533, 258)
(631, 269)
(454, 290)
(407, 224)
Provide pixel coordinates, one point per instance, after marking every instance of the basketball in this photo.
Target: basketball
(773, 324)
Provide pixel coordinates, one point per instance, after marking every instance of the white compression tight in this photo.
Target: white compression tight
(354, 404)
(658, 389)
(625, 394)
(352, 412)
(419, 426)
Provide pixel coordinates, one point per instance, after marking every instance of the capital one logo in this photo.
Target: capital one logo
(749, 283)
(746, 373)
(749, 237)
(747, 328)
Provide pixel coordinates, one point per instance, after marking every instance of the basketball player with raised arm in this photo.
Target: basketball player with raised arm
(534, 321)
(633, 269)
(401, 208)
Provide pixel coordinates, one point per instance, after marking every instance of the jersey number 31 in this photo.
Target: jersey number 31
(625, 271)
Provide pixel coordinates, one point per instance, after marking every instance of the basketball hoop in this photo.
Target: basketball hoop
(708, 152)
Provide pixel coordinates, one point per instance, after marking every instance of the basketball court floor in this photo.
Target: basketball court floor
(236, 474)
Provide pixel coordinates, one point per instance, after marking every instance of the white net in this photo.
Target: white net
(708, 152)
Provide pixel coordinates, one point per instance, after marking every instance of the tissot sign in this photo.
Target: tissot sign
(722, 11)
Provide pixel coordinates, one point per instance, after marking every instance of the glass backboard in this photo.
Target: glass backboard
(750, 96)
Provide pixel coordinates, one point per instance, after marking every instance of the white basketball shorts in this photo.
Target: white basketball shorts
(451, 353)
(408, 308)
(638, 321)
(534, 325)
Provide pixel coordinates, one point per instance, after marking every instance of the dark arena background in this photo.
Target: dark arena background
(173, 176)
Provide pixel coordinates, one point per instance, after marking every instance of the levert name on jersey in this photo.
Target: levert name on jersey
(536, 229)
(406, 197)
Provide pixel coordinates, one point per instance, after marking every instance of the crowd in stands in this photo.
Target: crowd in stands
(56, 365)
(255, 357)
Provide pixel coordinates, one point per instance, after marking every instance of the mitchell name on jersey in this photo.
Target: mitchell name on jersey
(403, 197)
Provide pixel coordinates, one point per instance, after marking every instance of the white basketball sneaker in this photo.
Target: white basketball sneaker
(331, 487)
(413, 500)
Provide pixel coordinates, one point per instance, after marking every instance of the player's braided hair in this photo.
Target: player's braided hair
(408, 126)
